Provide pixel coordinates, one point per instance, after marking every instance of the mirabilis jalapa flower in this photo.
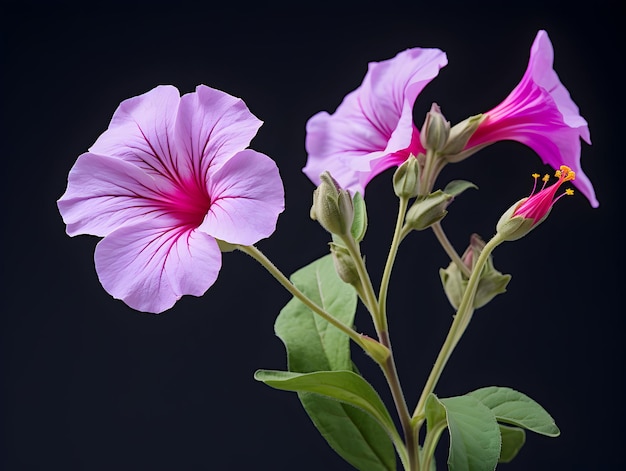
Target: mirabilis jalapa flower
(373, 130)
(529, 212)
(168, 179)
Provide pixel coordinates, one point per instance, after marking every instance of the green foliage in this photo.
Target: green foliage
(514, 408)
(474, 432)
(344, 386)
(359, 224)
(513, 439)
(312, 343)
(342, 405)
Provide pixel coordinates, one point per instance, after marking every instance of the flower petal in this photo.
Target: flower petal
(142, 132)
(104, 193)
(247, 196)
(372, 129)
(211, 127)
(150, 265)
(540, 113)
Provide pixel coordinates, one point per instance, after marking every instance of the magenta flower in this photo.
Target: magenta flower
(526, 214)
(540, 113)
(537, 206)
(168, 178)
(372, 129)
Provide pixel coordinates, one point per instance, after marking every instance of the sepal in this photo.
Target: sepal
(492, 282)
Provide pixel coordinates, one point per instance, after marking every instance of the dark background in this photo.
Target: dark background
(89, 384)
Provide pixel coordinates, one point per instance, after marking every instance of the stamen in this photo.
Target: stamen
(569, 191)
(535, 176)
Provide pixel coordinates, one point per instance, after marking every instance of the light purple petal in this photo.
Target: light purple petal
(142, 132)
(211, 127)
(372, 129)
(150, 265)
(247, 196)
(540, 113)
(105, 193)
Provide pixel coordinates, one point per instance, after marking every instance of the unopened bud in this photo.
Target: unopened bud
(375, 349)
(460, 134)
(332, 206)
(435, 130)
(491, 283)
(428, 210)
(344, 265)
(406, 178)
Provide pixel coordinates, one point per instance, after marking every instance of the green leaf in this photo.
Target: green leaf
(343, 386)
(513, 439)
(474, 434)
(312, 343)
(359, 224)
(515, 408)
(456, 187)
(352, 433)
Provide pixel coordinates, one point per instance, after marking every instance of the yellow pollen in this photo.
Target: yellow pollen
(569, 191)
(535, 176)
(545, 178)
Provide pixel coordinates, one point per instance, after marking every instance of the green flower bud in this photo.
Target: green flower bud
(435, 130)
(332, 206)
(428, 210)
(406, 178)
(344, 265)
(491, 283)
(460, 135)
(375, 349)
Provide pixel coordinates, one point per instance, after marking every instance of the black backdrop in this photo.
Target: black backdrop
(89, 384)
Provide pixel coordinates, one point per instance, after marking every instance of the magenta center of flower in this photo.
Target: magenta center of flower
(189, 203)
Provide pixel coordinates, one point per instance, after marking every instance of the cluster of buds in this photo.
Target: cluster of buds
(437, 135)
(491, 283)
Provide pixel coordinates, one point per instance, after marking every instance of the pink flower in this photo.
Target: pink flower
(537, 206)
(372, 129)
(168, 178)
(540, 113)
(526, 214)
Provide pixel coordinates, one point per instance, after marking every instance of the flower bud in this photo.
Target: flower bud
(406, 178)
(375, 349)
(460, 135)
(491, 283)
(435, 130)
(332, 206)
(428, 210)
(344, 265)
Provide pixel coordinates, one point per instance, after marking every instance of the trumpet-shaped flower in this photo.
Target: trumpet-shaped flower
(372, 129)
(540, 113)
(169, 178)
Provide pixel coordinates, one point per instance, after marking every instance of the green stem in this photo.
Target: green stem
(393, 251)
(447, 246)
(391, 375)
(289, 286)
(389, 367)
(461, 320)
